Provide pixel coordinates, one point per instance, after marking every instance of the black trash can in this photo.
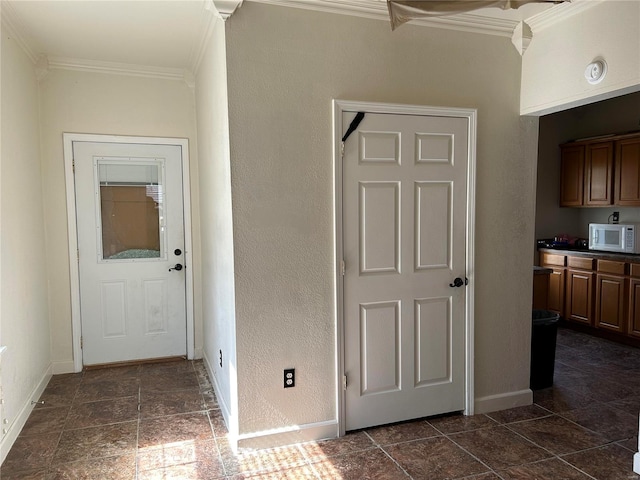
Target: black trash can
(543, 348)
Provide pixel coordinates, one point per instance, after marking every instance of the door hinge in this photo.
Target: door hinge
(344, 382)
(342, 150)
(73, 165)
(343, 267)
(81, 342)
(78, 255)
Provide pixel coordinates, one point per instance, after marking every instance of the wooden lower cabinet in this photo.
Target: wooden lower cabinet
(611, 296)
(634, 308)
(579, 296)
(601, 296)
(555, 296)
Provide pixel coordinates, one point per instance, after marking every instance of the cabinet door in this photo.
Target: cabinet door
(555, 297)
(572, 176)
(598, 174)
(610, 302)
(634, 308)
(579, 297)
(627, 189)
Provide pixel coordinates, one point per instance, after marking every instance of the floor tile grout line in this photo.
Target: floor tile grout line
(137, 451)
(553, 454)
(215, 442)
(382, 449)
(491, 469)
(576, 468)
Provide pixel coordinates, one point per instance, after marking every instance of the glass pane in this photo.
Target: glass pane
(131, 204)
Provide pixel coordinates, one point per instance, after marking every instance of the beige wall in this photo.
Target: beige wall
(84, 102)
(285, 66)
(24, 311)
(217, 229)
(553, 66)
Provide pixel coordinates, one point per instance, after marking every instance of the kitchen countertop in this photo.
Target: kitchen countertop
(542, 270)
(616, 257)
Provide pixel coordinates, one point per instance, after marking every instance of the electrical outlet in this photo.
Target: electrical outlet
(289, 377)
(221, 358)
(616, 217)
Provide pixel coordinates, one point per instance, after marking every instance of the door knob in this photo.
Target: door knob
(458, 282)
(178, 267)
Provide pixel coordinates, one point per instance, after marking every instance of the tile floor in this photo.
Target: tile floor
(162, 422)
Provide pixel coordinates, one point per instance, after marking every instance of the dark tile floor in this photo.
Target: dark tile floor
(162, 422)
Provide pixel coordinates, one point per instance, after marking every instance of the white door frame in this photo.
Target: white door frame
(340, 106)
(76, 319)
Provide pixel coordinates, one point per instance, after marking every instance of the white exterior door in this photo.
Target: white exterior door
(404, 243)
(130, 226)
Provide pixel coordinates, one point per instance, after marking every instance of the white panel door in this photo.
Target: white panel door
(404, 228)
(130, 224)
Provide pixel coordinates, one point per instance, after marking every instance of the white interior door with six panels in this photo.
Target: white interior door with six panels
(404, 215)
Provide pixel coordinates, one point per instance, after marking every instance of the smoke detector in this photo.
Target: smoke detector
(596, 71)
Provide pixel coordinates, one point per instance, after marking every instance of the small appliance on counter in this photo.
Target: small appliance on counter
(614, 237)
(564, 242)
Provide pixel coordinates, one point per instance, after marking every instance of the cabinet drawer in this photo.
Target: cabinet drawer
(635, 269)
(610, 266)
(580, 262)
(554, 259)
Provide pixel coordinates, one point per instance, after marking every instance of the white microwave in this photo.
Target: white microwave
(615, 237)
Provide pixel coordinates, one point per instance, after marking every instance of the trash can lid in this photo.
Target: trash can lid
(544, 317)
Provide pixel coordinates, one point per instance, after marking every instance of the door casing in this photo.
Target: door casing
(340, 106)
(76, 321)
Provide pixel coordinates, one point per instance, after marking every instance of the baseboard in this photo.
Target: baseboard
(16, 427)
(289, 435)
(197, 353)
(60, 368)
(503, 401)
(224, 408)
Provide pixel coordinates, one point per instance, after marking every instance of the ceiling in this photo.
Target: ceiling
(168, 35)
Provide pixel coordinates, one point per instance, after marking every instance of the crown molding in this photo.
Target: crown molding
(13, 24)
(378, 10)
(207, 22)
(64, 63)
(226, 8)
(560, 13)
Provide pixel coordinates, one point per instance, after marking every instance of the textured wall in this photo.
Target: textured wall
(285, 66)
(82, 102)
(24, 311)
(217, 228)
(554, 64)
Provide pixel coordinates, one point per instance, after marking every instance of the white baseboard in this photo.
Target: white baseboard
(60, 368)
(289, 435)
(224, 408)
(197, 353)
(270, 438)
(503, 401)
(16, 427)
(636, 462)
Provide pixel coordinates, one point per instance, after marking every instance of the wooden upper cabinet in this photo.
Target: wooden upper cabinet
(627, 166)
(572, 176)
(598, 169)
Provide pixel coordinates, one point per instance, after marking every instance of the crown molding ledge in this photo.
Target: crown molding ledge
(377, 10)
(64, 63)
(226, 8)
(559, 13)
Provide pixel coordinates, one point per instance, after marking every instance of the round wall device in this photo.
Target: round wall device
(596, 71)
